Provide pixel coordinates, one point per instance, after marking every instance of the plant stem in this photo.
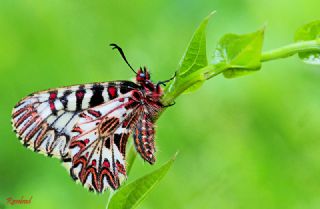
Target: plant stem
(181, 83)
(291, 49)
(130, 160)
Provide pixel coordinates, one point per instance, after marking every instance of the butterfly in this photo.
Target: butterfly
(87, 126)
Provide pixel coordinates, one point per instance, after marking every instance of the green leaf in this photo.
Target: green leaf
(195, 57)
(240, 53)
(132, 154)
(308, 32)
(130, 195)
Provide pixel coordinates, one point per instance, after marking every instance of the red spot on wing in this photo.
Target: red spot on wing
(112, 91)
(79, 94)
(125, 123)
(94, 113)
(86, 141)
(87, 117)
(53, 95)
(106, 164)
(94, 162)
(52, 106)
(120, 168)
(52, 98)
(77, 129)
(79, 144)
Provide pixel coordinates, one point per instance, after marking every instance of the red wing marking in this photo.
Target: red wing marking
(112, 91)
(52, 98)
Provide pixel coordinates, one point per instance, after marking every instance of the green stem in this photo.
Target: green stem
(291, 49)
(130, 160)
(181, 83)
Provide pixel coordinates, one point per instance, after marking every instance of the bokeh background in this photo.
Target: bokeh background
(245, 143)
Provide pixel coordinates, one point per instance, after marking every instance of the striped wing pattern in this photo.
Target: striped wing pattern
(87, 127)
(143, 136)
(98, 143)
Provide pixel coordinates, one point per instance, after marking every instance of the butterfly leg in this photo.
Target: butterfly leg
(169, 105)
(159, 90)
(166, 81)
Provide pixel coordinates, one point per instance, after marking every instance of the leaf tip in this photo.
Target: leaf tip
(209, 16)
(175, 155)
(264, 26)
(212, 13)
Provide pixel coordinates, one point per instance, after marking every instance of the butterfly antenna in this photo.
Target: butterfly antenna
(115, 46)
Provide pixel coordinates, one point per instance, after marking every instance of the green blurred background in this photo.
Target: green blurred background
(251, 142)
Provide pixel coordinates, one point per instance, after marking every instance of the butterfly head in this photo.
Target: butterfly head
(142, 75)
(153, 91)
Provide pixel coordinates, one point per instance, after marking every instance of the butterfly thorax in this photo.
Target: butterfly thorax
(152, 92)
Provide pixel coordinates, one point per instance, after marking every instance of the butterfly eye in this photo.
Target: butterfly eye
(142, 75)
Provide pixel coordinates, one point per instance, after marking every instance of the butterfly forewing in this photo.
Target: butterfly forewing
(44, 120)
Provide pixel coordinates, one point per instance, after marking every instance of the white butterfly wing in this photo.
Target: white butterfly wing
(99, 140)
(44, 120)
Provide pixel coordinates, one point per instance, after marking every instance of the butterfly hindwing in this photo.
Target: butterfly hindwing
(99, 140)
(143, 137)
